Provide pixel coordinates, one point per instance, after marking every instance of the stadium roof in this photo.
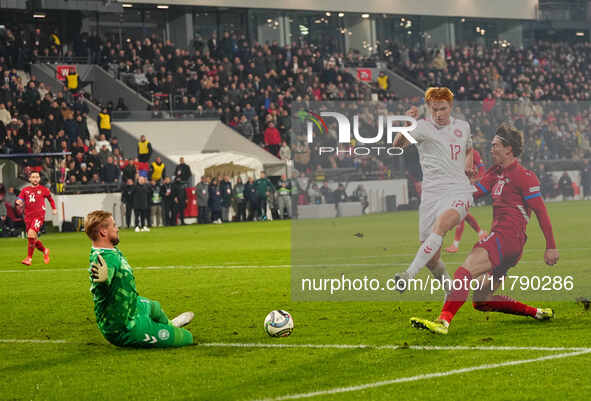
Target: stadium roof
(510, 9)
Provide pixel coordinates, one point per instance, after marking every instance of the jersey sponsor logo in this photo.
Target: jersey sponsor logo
(458, 133)
(163, 334)
(534, 189)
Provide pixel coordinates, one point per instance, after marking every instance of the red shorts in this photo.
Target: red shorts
(34, 223)
(504, 250)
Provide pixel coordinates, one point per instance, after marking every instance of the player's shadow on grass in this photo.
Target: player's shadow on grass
(73, 355)
(43, 364)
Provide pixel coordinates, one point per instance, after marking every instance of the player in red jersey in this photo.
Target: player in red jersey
(33, 198)
(515, 192)
(479, 170)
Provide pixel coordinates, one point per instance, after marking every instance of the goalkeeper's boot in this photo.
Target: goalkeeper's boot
(437, 326)
(451, 249)
(46, 256)
(401, 280)
(545, 314)
(27, 261)
(183, 319)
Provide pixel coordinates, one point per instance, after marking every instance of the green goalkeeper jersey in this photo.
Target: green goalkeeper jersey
(115, 300)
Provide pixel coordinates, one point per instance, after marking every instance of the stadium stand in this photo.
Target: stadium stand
(251, 87)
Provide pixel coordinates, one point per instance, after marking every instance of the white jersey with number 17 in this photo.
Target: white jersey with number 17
(442, 152)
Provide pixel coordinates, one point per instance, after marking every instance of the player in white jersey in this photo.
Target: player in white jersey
(445, 152)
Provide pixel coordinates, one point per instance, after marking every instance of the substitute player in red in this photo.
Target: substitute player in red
(479, 171)
(33, 198)
(515, 192)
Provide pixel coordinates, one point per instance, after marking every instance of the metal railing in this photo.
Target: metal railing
(60, 59)
(162, 115)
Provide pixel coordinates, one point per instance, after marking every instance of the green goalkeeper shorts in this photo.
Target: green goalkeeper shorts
(152, 329)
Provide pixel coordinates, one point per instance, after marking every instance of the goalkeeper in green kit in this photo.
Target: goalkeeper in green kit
(125, 318)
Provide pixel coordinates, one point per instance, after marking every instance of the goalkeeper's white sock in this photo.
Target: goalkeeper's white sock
(425, 253)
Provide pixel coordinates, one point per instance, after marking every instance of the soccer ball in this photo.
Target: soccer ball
(278, 323)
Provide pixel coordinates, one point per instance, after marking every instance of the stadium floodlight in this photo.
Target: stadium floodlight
(364, 15)
(341, 15)
(126, 5)
(328, 14)
(580, 33)
(39, 15)
(162, 6)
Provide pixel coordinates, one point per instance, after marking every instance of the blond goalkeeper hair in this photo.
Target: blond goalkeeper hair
(94, 222)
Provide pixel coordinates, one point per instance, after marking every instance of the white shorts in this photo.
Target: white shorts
(432, 207)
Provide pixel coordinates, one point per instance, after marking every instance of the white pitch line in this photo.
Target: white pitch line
(197, 267)
(466, 251)
(423, 377)
(31, 341)
(345, 346)
(284, 266)
(397, 347)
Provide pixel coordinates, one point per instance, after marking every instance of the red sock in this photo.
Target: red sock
(503, 304)
(39, 246)
(473, 223)
(459, 231)
(456, 298)
(31, 247)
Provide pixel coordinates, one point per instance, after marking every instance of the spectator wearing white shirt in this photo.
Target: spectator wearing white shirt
(4, 115)
(103, 142)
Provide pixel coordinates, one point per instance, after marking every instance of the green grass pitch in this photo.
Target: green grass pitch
(221, 273)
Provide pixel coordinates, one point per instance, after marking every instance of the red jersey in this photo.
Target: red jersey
(478, 164)
(515, 192)
(34, 200)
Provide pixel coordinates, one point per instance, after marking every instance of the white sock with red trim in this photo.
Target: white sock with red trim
(425, 253)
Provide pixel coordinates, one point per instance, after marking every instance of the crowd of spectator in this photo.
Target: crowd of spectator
(542, 88)
(252, 88)
(539, 71)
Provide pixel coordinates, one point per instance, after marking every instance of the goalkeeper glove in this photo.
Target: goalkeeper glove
(99, 270)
